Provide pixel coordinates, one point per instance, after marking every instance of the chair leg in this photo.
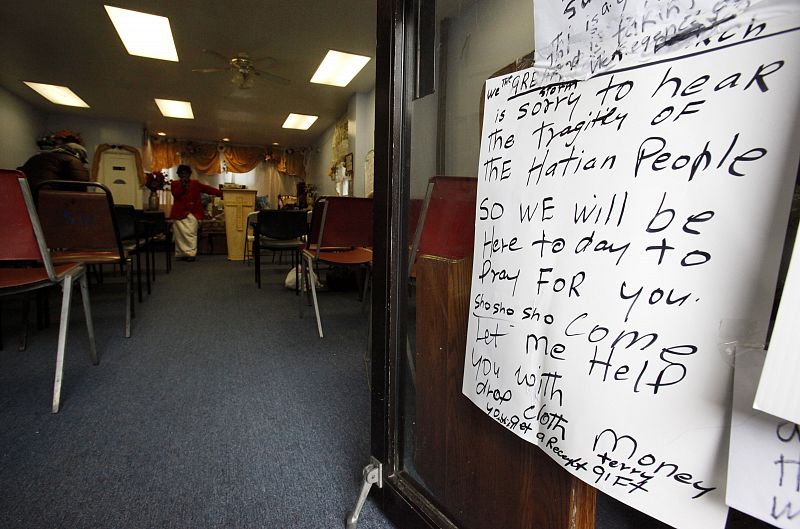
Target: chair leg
(139, 273)
(168, 251)
(367, 285)
(87, 311)
(23, 335)
(147, 269)
(314, 297)
(304, 285)
(128, 298)
(151, 252)
(257, 262)
(66, 297)
(295, 265)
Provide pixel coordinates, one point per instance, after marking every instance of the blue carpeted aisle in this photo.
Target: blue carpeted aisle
(224, 409)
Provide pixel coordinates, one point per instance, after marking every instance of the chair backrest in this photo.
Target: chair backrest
(282, 224)
(155, 219)
(344, 222)
(20, 230)
(446, 226)
(125, 215)
(78, 220)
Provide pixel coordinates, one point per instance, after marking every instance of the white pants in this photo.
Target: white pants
(184, 232)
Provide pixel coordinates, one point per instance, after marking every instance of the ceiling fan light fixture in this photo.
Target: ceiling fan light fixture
(175, 109)
(60, 95)
(299, 121)
(339, 68)
(144, 35)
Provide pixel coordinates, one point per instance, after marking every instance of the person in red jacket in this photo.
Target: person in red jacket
(187, 210)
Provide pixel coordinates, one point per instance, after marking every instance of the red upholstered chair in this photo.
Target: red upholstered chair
(26, 264)
(80, 224)
(446, 225)
(341, 235)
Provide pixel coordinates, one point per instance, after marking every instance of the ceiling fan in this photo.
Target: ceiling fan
(242, 69)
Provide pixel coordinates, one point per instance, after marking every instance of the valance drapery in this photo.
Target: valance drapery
(242, 159)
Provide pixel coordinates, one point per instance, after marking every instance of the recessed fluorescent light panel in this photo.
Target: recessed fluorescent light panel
(299, 121)
(338, 68)
(175, 109)
(144, 35)
(60, 95)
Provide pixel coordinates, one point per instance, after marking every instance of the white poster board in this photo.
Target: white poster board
(779, 392)
(764, 461)
(576, 39)
(620, 221)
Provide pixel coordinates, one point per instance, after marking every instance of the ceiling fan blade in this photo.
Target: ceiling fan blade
(272, 77)
(210, 70)
(266, 62)
(217, 54)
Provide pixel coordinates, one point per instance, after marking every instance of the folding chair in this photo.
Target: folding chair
(445, 227)
(80, 226)
(341, 234)
(134, 241)
(279, 230)
(24, 247)
(249, 236)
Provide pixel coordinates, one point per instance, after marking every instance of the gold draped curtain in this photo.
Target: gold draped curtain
(291, 163)
(165, 155)
(242, 159)
(204, 158)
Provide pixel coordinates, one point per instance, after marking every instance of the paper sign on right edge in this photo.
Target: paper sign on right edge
(764, 462)
(778, 390)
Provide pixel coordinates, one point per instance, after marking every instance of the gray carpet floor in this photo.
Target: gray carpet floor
(223, 410)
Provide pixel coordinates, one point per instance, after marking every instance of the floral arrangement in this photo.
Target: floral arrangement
(155, 180)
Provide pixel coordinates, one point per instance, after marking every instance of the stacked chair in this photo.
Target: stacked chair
(27, 265)
(279, 230)
(80, 225)
(341, 235)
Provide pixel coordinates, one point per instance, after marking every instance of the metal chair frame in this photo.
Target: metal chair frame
(29, 246)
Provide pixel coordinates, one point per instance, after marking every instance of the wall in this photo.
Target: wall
(364, 139)
(423, 143)
(29, 123)
(483, 37)
(320, 160)
(475, 53)
(97, 131)
(361, 134)
(23, 124)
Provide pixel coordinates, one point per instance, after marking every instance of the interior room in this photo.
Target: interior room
(418, 264)
(243, 416)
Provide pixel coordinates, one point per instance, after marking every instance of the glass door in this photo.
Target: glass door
(444, 461)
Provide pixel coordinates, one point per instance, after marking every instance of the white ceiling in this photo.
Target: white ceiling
(74, 44)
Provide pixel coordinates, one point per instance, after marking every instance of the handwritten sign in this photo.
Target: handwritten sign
(778, 392)
(619, 220)
(576, 39)
(764, 459)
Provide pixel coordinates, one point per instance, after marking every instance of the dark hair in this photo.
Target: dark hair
(184, 169)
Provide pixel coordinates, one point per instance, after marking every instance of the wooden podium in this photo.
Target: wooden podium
(238, 203)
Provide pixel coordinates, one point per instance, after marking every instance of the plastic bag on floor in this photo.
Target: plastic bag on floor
(291, 277)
